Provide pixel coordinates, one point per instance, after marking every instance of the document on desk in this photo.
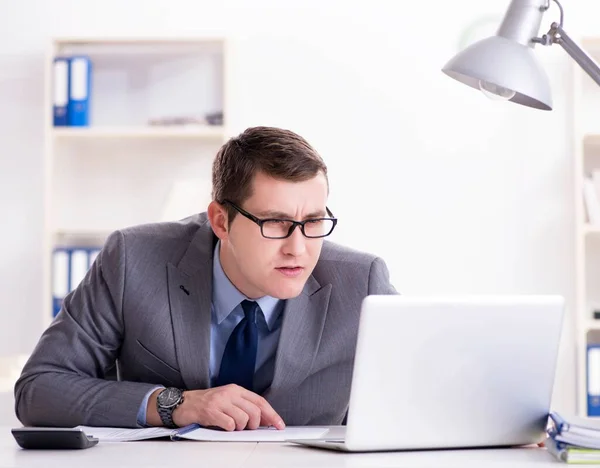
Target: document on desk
(195, 432)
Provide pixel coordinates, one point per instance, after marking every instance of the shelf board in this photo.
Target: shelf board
(80, 236)
(590, 325)
(591, 230)
(115, 52)
(206, 132)
(591, 139)
(82, 232)
(147, 40)
(591, 44)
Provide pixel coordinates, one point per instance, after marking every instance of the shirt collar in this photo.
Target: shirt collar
(227, 297)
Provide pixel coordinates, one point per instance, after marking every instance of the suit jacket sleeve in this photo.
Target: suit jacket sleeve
(379, 278)
(63, 383)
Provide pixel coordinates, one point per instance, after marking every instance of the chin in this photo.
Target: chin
(287, 291)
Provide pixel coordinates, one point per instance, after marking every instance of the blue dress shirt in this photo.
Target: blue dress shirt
(226, 312)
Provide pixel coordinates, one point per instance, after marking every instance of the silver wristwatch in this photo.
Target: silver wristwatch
(166, 402)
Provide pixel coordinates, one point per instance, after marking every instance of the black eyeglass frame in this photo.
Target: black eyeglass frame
(295, 223)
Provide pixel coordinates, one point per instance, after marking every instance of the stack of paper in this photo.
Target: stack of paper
(574, 441)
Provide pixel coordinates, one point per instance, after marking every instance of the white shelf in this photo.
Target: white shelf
(586, 158)
(592, 141)
(591, 230)
(591, 45)
(207, 132)
(120, 171)
(148, 40)
(164, 48)
(83, 233)
(590, 324)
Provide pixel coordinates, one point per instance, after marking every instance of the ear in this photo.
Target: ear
(217, 215)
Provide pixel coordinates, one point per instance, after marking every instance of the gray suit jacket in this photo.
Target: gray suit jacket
(145, 305)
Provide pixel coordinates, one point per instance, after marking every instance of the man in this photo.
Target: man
(235, 318)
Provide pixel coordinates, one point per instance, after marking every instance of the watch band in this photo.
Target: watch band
(166, 416)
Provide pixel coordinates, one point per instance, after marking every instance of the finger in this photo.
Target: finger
(253, 412)
(220, 419)
(238, 415)
(269, 416)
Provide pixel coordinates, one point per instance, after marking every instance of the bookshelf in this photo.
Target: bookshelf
(216, 133)
(152, 128)
(586, 148)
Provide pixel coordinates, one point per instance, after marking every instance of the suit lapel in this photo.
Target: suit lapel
(190, 293)
(301, 330)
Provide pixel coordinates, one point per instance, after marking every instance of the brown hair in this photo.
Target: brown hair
(278, 153)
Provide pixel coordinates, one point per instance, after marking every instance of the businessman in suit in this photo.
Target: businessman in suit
(238, 317)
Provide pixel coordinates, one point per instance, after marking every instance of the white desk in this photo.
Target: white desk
(161, 454)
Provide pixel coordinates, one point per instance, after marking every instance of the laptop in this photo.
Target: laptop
(450, 372)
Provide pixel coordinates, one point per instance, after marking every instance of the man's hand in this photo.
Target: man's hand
(230, 407)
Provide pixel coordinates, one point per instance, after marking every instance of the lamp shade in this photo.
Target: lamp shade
(502, 62)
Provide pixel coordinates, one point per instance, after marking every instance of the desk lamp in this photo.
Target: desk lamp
(504, 66)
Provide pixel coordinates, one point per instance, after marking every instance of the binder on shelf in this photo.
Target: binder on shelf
(591, 200)
(92, 254)
(61, 259)
(79, 267)
(593, 380)
(80, 86)
(69, 267)
(60, 95)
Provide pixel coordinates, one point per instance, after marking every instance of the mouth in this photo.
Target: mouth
(290, 272)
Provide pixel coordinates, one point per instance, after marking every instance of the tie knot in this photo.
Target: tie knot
(250, 308)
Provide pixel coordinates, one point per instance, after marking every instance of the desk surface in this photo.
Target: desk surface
(150, 454)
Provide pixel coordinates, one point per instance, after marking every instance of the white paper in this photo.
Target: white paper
(118, 434)
(261, 434)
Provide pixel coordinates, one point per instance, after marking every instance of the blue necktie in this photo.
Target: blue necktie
(239, 358)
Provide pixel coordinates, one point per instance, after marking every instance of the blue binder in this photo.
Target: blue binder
(593, 380)
(60, 95)
(61, 277)
(92, 255)
(80, 87)
(79, 267)
(69, 267)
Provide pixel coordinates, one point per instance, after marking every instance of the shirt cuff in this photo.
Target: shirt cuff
(141, 415)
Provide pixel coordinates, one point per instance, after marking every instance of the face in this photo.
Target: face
(258, 266)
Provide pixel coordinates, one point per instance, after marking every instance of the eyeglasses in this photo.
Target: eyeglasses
(283, 228)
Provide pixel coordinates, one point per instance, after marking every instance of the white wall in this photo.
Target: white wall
(457, 193)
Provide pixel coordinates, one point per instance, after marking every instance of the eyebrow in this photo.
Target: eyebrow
(281, 214)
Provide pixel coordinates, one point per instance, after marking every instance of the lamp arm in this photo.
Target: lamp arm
(559, 36)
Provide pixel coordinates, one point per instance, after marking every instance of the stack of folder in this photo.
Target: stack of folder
(575, 441)
(69, 267)
(72, 82)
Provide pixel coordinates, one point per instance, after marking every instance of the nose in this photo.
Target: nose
(295, 244)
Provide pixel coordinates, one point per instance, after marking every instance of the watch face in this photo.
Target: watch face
(169, 397)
